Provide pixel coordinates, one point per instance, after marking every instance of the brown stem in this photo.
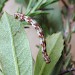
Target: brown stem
(67, 71)
(65, 4)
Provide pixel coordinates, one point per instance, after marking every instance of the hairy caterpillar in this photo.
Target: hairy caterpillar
(39, 30)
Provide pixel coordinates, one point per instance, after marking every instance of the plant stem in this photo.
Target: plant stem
(67, 71)
(37, 6)
(65, 4)
(29, 6)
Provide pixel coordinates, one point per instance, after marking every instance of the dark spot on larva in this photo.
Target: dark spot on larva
(26, 27)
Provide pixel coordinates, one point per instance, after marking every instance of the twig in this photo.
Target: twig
(67, 71)
(65, 4)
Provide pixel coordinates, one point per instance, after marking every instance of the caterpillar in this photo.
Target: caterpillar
(39, 30)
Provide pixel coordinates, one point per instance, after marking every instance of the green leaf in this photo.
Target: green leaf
(54, 49)
(15, 54)
(67, 61)
(56, 70)
(29, 6)
(2, 4)
(37, 6)
(48, 2)
(33, 5)
(38, 13)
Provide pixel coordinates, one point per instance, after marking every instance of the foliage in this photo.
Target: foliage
(15, 55)
(54, 47)
(2, 4)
